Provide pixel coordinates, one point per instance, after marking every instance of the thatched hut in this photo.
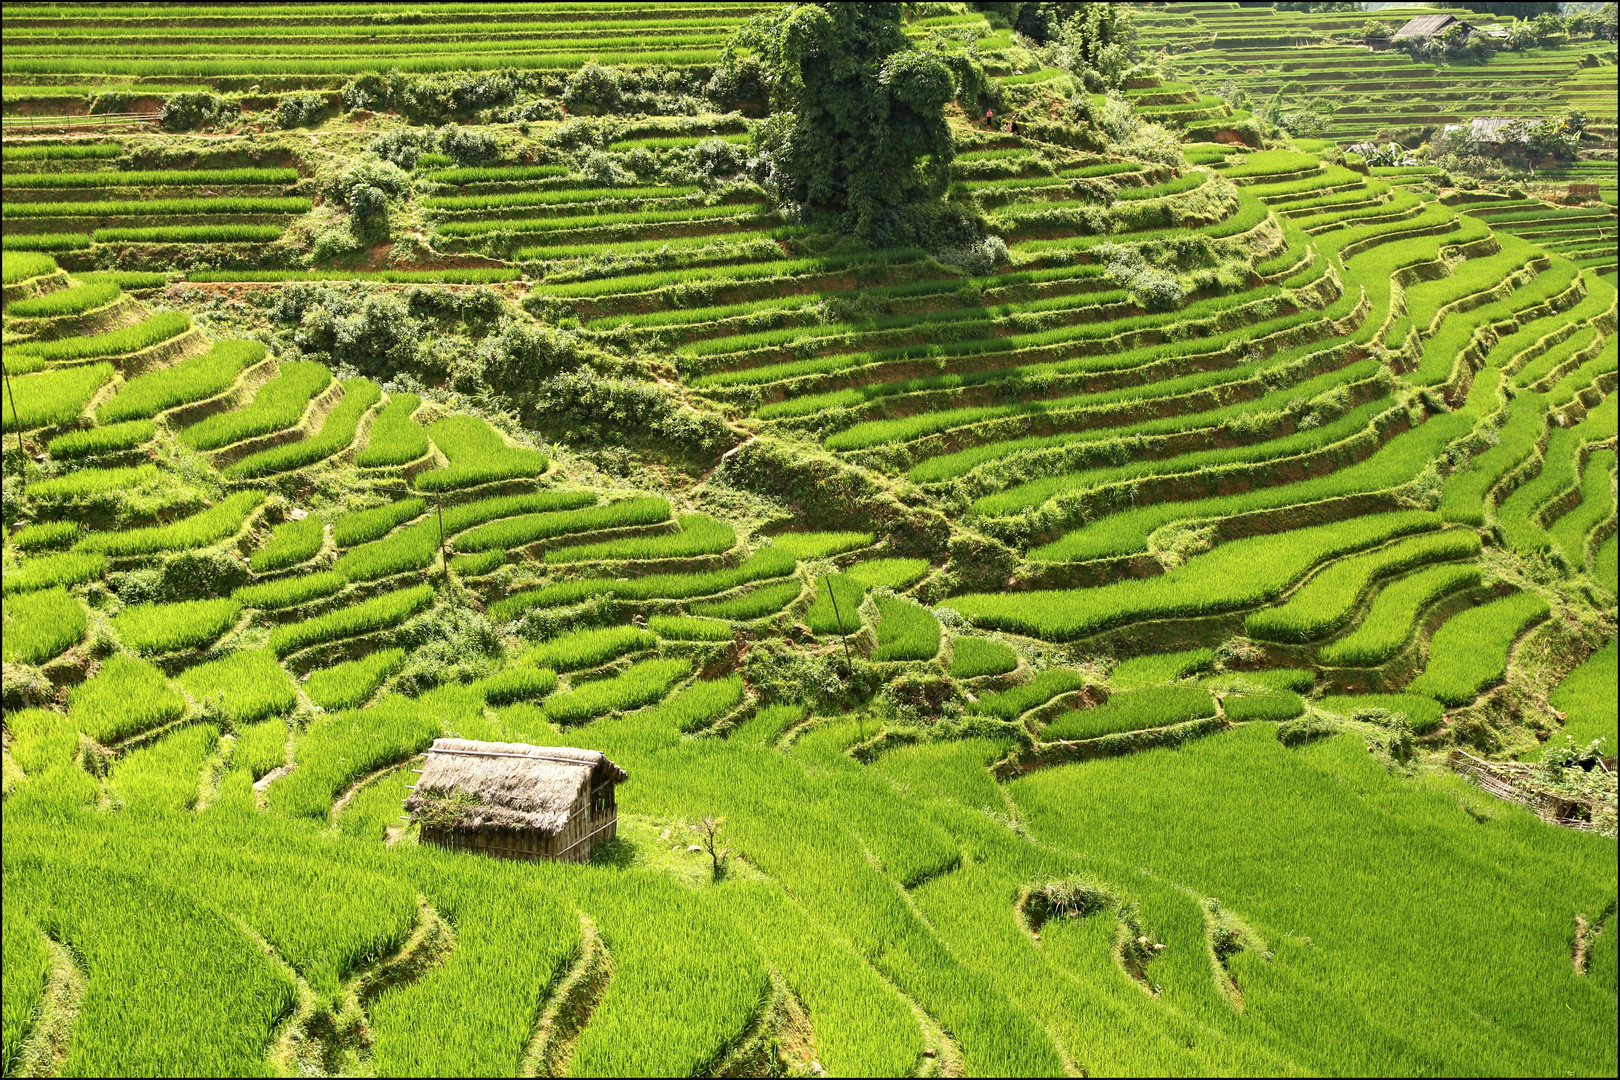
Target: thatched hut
(516, 801)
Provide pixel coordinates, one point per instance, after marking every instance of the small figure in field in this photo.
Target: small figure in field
(989, 119)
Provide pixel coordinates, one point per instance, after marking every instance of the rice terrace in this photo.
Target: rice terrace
(861, 539)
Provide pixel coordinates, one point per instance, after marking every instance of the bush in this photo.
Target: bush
(301, 110)
(401, 147)
(592, 89)
(189, 111)
(467, 147)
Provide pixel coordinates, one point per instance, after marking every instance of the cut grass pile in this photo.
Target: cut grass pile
(1133, 710)
(245, 686)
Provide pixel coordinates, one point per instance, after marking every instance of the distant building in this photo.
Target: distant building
(1428, 26)
(1494, 130)
(516, 801)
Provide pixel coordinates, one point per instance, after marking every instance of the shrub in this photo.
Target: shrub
(192, 110)
(349, 684)
(91, 442)
(973, 657)
(301, 110)
(1133, 710)
(195, 379)
(126, 697)
(467, 147)
(40, 625)
(293, 541)
(162, 628)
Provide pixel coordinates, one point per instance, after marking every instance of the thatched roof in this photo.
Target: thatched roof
(1426, 26)
(472, 785)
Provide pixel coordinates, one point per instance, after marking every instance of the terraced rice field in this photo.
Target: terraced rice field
(1092, 653)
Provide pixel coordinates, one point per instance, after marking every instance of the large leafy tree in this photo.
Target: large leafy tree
(858, 128)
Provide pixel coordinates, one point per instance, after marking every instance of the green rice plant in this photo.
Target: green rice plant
(260, 748)
(416, 546)
(188, 624)
(40, 625)
(28, 966)
(349, 684)
(696, 706)
(42, 535)
(341, 747)
(1463, 497)
(1470, 651)
(335, 435)
(51, 397)
(588, 648)
(395, 438)
(671, 142)
(1586, 697)
(484, 562)
(689, 628)
(1423, 714)
(199, 530)
(518, 684)
(478, 455)
(49, 571)
(127, 279)
(1133, 710)
(111, 208)
(91, 442)
(163, 776)
(288, 591)
(17, 266)
(633, 218)
(553, 198)
(484, 174)
(973, 656)
(752, 604)
(294, 541)
(279, 404)
(1156, 669)
(517, 531)
(1277, 705)
(62, 151)
(776, 560)
(87, 482)
(194, 379)
(1046, 685)
(1298, 680)
(246, 686)
(41, 739)
(641, 684)
(905, 631)
(52, 241)
(378, 613)
(1570, 530)
(1393, 615)
(358, 526)
(131, 339)
(1237, 574)
(1519, 515)
(74, 301)
(699, 534)
(191, 234)
(125, 697)
(470, 275)
(1327, 599)
(835, 610)
(149, 178)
